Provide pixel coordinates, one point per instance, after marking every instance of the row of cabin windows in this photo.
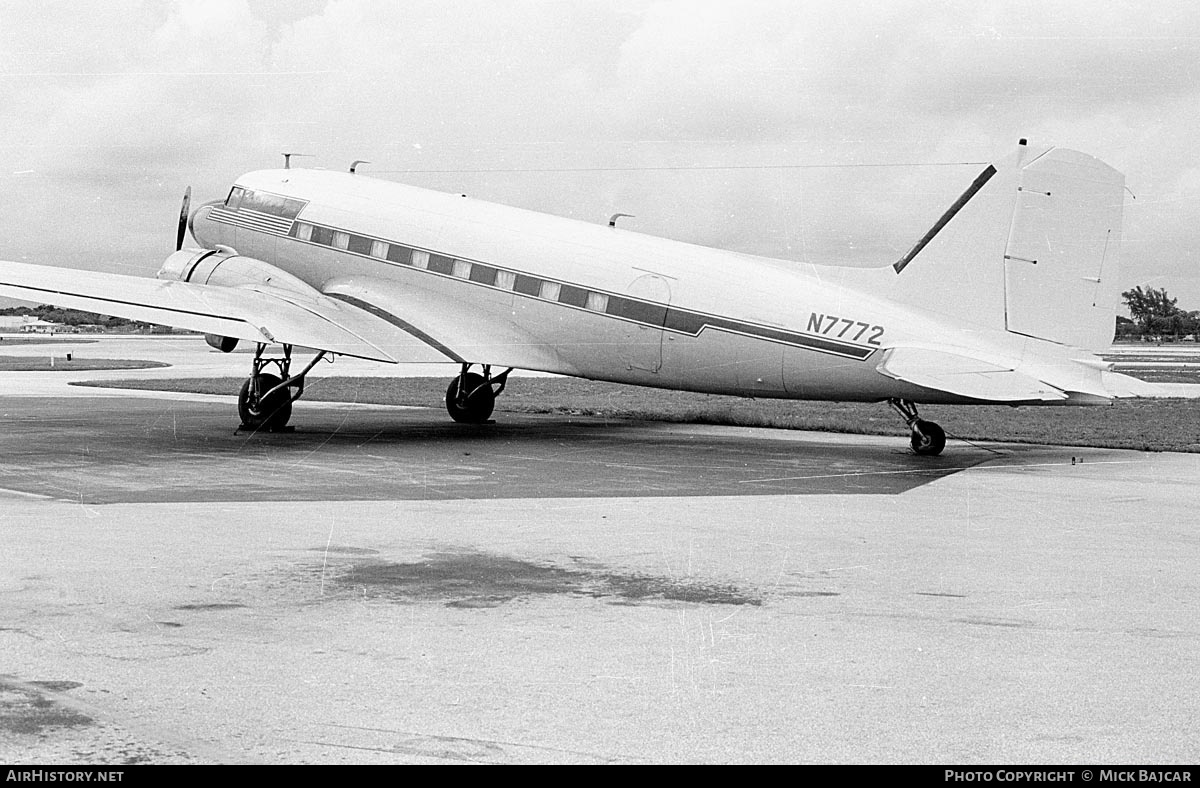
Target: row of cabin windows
(483, 274)
(246, 199)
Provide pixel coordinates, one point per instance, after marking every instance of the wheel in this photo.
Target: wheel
(477, 408)
(928, 439)
(270, 414)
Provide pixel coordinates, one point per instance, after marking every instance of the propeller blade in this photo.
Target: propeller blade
(183, 218)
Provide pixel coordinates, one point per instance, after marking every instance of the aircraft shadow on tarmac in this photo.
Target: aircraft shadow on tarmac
(113, 450)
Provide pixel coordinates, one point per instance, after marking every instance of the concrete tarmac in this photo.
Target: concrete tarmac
(383, 586)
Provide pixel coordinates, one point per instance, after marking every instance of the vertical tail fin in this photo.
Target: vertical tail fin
(1032, 247)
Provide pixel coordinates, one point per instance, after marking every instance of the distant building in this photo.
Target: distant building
(10, 323)
(43, 327)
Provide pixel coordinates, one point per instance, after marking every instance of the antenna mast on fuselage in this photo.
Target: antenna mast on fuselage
(287, 159)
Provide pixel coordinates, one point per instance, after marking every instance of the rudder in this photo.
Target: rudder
(1032, 249)
(1062, 261)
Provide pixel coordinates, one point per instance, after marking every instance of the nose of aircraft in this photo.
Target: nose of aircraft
(200, 222)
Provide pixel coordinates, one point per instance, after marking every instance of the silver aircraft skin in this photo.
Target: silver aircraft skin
(1007, 299)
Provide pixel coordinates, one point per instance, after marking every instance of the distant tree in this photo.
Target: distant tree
(1154, 311)
(1127, 329)
(1191, 324)
(68, 317)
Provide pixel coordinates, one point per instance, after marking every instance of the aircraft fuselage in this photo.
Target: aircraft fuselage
(540, 292)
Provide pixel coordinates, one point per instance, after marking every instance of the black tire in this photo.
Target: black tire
(478, 407)
(928, 439)
(271, 414)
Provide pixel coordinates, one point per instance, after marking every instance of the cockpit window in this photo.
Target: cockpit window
(247, 200)
(272, 204)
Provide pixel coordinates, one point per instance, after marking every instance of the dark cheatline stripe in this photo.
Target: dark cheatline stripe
(638, 311)
(646, 313)
(405, 326)
(693, 324)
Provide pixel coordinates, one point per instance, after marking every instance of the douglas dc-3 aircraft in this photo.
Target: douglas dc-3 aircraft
(1006, 299)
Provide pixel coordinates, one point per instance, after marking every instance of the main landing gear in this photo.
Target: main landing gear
(471, 397)
(928, 439)
(265, 401)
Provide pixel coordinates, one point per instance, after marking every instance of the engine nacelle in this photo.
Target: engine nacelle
(226, 268)
(223, 344)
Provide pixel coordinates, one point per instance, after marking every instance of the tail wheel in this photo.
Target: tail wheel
(928, 439)
(470, 399)
(257, 412)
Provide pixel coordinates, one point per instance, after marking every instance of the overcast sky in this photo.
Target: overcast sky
(754, 126)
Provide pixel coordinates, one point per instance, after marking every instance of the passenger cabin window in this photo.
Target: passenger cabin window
(575, 296)
(322, 235)
(529, 285)
(484, 274)
(441, 264)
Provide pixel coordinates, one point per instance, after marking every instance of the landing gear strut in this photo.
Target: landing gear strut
(928, 439)
(471, 397)
(265, 401)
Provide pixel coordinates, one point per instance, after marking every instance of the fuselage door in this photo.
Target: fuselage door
(646, 313)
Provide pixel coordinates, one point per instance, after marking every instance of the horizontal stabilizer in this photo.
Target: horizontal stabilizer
(1125, 386)
(964, 376)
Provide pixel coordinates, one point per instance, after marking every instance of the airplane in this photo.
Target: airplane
(1007, 299)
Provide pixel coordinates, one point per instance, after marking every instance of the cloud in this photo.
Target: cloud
(117, 109)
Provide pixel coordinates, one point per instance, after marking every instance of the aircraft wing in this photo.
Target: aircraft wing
(964, 376)
(485, 332)
(254, 313)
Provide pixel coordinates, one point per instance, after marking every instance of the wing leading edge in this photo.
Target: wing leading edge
(255, 314)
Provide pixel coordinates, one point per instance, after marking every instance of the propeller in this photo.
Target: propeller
(183, 218)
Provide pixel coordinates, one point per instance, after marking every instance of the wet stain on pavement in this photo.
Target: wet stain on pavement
(1010, 623)
(481, 580)
(24, 709)
(344, 550)
(57, 686)
(211, 606)
(1150, 632)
